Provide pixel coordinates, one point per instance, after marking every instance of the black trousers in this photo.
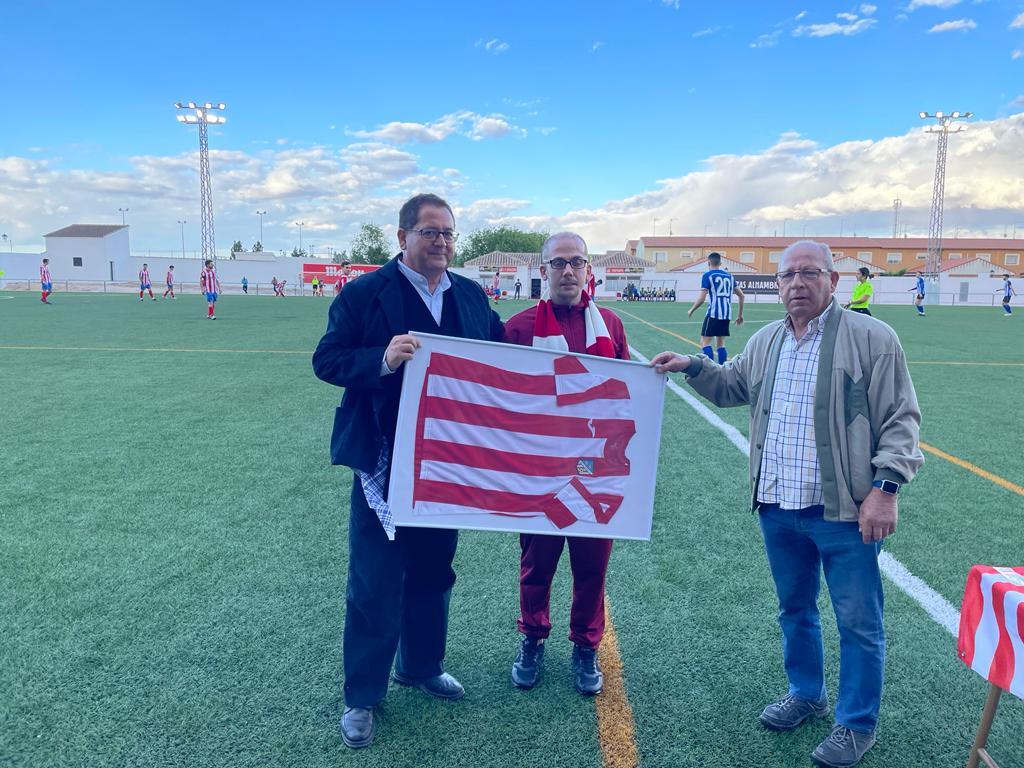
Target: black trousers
(397, 600)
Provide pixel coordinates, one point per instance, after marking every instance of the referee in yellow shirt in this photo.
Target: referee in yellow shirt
(862, 291)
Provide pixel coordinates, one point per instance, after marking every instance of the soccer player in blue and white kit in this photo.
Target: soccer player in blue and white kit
(1008, 292)
(919, 295)
(718, 286)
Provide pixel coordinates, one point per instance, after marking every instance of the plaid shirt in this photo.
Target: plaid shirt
(790, 474)
(373, 489)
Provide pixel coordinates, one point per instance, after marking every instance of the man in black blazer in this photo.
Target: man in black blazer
(399, 580)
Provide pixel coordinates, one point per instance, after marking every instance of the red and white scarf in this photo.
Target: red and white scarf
(547, 333)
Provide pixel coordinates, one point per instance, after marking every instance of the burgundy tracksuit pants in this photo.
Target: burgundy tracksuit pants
(538, 562)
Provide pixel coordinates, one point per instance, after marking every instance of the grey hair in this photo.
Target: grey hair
(821, 248)
(546, 248)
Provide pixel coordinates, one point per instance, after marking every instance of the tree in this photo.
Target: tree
(508, 239)
(370, 246)
(297, 254)
(340, 257)
(257, 247)
(237, 247)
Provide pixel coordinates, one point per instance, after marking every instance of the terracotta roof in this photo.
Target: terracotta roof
(620, 259)
(87, 230)
(985, 265)
(505, 259)
(731, 264)
(835, 243)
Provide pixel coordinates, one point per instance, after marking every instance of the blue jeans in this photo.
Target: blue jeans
(800, 543)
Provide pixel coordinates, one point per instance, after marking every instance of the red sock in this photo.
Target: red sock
(140, 294)
(209, 311)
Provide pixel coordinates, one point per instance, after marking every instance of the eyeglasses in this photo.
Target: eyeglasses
(808, 275)
(576, 262)
(429, 233)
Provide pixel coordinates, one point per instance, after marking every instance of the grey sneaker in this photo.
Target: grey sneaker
(586, 672)
(529, 660)
(790, 711)
(843, 748)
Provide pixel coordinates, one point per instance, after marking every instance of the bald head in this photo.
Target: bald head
(820, 253)
(552, 241)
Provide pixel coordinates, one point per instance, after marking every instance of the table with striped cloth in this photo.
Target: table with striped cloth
(991, 638)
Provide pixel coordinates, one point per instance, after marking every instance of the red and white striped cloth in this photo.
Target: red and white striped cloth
(547, 333)
(491, 441)
(991, 638)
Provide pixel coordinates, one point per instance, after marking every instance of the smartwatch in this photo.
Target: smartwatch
(887, 486)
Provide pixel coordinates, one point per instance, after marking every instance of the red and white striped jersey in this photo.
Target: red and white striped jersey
(44, 274)
(491, 441)
(170, 277)
(991, 638)
(143, 276)
(209, 282)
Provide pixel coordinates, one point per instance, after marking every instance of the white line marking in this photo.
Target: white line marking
(934, 604)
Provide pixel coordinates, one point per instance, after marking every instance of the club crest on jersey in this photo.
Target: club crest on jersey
(584, 466)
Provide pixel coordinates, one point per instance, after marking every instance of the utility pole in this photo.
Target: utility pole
(943, 127)
(203, 118)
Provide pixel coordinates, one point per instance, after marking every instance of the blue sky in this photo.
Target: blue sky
(538, 114)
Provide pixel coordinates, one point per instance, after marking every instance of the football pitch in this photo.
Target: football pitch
(173, 554)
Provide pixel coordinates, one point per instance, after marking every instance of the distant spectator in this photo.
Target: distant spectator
(245, 284)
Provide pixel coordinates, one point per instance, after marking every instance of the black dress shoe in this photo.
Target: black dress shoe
(357, 727)
(443, 686)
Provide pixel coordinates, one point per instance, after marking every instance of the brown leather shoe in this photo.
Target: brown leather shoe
(357, 727)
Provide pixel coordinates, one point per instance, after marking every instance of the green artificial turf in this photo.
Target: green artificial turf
(172, 564)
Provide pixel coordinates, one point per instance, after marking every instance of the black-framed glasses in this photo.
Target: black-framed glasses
(576, 262)
(808, 274)
(431, 234)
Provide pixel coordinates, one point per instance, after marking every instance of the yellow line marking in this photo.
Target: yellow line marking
(975, 469)
(615, 728)
(154, 349)
(659, 328)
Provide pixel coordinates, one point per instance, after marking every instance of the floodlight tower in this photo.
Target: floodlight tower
(944, 126)
(202, 118)
(896, 205)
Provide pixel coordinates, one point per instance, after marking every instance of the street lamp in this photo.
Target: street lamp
(727, 223)
(7, 240)
(300, 224)
(123, 212)
(654, 227)
(670, 227)
(183, 222)
(706, 228)
(261, 214)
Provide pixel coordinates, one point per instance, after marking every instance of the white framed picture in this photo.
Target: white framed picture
(510, 438)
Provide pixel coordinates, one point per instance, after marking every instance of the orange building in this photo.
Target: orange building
(881, 254)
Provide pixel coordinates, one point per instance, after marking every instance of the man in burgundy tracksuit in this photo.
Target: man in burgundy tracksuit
(565, 255)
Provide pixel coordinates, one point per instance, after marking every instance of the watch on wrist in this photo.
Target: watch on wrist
(887, 486)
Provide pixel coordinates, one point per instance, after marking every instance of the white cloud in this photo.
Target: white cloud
(671, 4)
(769, 40)
(853, 182)
(595, 46)
(915, 4)
(1018, 22)
(546, 130)
(834, 28)
(705, 32)
(799, 15)
(494, 45)
(462, 123)
(1018, 102)
(952, 26)
(867, 9)
(847, 16)
(1016, 54)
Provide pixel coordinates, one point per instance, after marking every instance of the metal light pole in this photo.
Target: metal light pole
(7, 240)
(183, 222)
(654, 227)
(943, 128)
(896, 205)
(202, 118)
(670, 227)
(728, 224)
(706, 229)
(123, 212)
(300, 224)
(261, 214)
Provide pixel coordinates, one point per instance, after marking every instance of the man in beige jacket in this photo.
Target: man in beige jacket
(834, 427)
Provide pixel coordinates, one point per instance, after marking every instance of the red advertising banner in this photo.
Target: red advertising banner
(623, 270)
(329, 272)
(509, 269)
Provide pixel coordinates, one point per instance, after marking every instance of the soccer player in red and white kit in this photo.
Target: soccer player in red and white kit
(170, 282)
(45, 281)
(144, 283)
(210, 286)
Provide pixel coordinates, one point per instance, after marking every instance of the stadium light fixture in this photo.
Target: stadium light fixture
(943, 127)
(202, 118)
